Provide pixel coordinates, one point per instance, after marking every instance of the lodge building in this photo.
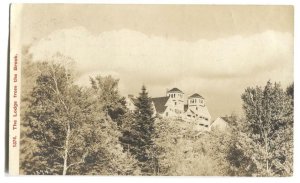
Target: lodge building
(173, 105)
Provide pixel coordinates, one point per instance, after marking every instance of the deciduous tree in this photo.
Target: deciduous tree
(269, 122)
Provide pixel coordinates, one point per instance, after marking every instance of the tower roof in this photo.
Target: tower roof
(196, 95)
(175, 90)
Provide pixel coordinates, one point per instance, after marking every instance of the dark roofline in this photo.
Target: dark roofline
(175, 90)
(133, 99)
(196, 95)
(160, 103)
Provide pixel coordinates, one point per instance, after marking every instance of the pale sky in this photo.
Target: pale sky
(216, 51)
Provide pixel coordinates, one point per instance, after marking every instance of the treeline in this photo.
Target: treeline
(69, 130)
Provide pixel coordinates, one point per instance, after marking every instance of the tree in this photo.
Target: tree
(181, 152)
(72, 134)
(138, 139)
(106, 89)
(269, 122)
(53, 116)
(290, 90)
(29, 72)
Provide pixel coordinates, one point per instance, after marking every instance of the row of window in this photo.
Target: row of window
(204, 118)
(201, 117)
(173, 95)
(203, 125)
(192, 101)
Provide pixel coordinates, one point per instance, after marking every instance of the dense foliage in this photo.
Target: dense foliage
(269, 122)
(138, 137)
(68, 129)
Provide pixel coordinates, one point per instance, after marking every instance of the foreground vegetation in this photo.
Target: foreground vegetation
(68, 130)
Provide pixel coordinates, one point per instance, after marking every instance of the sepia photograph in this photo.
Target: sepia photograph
(151, 90)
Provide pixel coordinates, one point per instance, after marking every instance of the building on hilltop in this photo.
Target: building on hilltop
(173, 105)
(197, 110)
(223, 124)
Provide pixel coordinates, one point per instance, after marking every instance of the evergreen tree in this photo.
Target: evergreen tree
(138, 138)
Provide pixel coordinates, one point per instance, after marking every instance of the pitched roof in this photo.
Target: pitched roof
(176, 90)
(160, 104)
(196, 95)
(225, 118)
(133, 99)
(228, 119)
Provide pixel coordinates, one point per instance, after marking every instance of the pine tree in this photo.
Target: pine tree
(138, 138)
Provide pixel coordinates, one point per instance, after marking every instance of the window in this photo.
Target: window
(196, 108)
(175, 103)
(166, 113)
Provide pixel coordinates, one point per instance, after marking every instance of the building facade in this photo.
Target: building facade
(174, 105)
